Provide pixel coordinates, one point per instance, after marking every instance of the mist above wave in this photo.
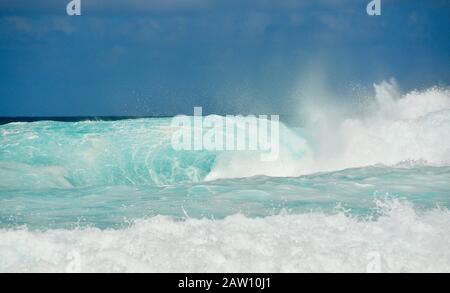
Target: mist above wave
(392, 129)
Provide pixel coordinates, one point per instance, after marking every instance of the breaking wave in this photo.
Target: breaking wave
(393, 129)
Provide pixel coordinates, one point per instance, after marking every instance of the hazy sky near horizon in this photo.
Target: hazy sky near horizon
(163, 57)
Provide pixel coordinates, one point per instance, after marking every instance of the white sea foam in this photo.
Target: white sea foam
(401, 240)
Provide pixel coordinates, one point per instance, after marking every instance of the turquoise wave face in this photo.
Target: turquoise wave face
(67, 155)
(108, 174)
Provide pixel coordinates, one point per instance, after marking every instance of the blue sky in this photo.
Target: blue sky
(163, 57)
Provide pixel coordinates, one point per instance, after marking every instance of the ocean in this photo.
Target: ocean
(112, 195)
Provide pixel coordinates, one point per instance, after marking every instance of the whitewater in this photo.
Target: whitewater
(349, 192)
